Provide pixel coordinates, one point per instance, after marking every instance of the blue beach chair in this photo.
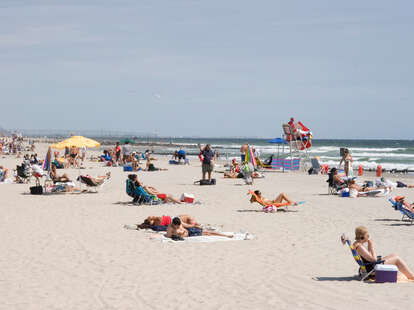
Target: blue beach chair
(407, 215)
(139, 195)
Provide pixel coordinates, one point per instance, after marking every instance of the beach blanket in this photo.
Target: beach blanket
(376, 193)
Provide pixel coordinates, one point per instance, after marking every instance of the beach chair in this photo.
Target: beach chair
(139, 195)
(23, 173)
(363, 274)
(407, 215)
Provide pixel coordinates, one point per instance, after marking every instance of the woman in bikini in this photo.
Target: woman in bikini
(153, 191)
(282, 200)
(347, 160)
(55, 178)
(370, 258)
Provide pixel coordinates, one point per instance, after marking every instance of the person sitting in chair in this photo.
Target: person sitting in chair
(370, 258)
(406, 204)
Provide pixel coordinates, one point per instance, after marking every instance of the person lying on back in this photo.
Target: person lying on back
(177, 230)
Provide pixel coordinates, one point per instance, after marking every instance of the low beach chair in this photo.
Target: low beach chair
(363, 274)
(139, 195)
(268, 207)
(407, 215)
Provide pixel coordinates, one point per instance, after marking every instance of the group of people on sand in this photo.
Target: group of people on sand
(177, 228)
(346, 183)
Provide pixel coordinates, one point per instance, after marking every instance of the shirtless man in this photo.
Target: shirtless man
(243, 150)
(176, 228)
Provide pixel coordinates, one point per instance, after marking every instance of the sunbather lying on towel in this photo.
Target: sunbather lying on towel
(407, 205)
(368, 255)
(357, 191)
(187, 221)
(271, 205)
(177, 231)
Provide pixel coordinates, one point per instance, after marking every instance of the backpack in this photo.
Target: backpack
(206, 182)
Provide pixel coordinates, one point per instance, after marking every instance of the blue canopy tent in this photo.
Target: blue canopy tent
(279, 141)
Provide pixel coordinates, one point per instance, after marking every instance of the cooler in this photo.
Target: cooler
(385, 273)
(189, 198)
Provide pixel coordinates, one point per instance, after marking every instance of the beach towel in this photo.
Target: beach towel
(236, 237)
(376, 193)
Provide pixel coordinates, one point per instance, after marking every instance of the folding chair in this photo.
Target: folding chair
(363, 274)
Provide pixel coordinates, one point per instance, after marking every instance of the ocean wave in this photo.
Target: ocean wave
(370, 149)
(372, 165)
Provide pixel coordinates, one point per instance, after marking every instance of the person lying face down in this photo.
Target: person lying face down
(186, 220)
(177, 231)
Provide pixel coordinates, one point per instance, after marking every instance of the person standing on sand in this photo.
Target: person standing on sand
(117, 152)
(126, 152)
(243, 150)
(208, 163)
(347, 160)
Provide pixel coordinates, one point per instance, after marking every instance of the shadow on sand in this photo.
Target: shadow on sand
(341, 279)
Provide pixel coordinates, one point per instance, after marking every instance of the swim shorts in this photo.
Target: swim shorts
(207, 168)
(194, 231)
(162, 196)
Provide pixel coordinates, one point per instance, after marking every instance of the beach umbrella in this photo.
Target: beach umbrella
(47, 163)
(250, 157)
(130, 141)
(77, 141)
(279, 141)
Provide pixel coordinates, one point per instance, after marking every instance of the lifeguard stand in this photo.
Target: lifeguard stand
(298, 147)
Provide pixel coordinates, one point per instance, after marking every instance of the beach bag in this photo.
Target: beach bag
(36, 190)
(206, 182)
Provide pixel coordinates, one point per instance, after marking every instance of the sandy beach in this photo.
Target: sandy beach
(71, 251)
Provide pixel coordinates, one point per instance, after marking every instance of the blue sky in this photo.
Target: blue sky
(209, 68)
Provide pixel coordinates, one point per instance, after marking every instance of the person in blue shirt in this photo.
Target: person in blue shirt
(207, 156)
(181, 155)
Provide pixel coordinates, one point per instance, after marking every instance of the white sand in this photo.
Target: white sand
(71, 251)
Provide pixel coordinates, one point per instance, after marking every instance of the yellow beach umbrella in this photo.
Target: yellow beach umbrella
(77, 141)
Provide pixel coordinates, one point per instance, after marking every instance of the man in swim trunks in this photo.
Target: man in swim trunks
(176, 228)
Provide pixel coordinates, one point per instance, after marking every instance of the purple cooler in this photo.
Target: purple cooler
(385, 273)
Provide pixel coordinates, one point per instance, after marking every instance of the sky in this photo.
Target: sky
(209, 68)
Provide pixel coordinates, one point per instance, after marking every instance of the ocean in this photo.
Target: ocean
(390, 154)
